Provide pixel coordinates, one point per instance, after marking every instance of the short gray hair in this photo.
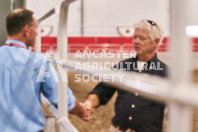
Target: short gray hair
(154, 29)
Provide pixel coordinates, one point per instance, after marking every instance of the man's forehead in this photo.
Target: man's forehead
(141, 31)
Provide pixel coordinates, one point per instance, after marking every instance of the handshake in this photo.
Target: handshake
(86, 109)
(83, 110)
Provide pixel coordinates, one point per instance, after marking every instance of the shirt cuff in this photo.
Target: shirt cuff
(71, 100)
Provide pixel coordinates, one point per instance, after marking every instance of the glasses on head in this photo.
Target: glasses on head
(152, 23)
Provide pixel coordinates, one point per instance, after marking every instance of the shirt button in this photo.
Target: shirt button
(130, 118)
(136, 94)
(133, 106)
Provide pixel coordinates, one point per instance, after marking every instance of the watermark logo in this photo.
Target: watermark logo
(105, 54)
(47, 68)
(99, 71)
(99, 77)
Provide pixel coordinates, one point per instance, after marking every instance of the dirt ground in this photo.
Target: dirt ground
(101, 118)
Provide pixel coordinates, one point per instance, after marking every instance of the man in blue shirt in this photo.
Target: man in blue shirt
(20, 109)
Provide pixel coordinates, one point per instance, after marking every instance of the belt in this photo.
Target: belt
(121, 128)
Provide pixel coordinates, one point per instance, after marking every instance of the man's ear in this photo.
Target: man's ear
(157, 41)
(26, 30)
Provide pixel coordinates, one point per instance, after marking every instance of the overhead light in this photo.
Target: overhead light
(192, 31)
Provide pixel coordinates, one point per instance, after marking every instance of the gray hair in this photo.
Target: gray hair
(154, 29)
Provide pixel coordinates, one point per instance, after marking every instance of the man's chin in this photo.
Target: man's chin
(139, 53)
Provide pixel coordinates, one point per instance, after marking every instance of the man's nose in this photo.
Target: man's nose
(136, 40)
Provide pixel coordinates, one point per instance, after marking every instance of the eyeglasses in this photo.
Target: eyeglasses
(152, 23)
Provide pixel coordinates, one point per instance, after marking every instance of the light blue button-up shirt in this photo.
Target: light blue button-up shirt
(20, 108)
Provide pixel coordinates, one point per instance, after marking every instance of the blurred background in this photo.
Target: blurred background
(104, 25)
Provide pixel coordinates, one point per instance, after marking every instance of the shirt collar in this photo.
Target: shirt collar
(16, 42)
(154, 59)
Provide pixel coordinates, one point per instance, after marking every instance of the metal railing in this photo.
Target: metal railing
(62, 113)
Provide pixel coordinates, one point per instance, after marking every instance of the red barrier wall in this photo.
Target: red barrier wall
(103, 43)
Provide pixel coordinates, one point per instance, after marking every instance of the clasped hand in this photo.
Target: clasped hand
(87, 112)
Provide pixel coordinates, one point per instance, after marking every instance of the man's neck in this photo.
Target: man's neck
(146, 58)
(17, 38)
